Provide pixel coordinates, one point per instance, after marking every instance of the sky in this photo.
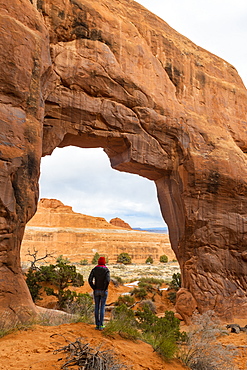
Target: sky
(83, 178)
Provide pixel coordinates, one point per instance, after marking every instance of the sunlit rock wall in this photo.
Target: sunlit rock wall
(56, 230)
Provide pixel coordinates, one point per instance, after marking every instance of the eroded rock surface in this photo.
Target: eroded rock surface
(114, 75)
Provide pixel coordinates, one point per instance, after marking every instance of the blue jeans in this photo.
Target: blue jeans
(100, 297)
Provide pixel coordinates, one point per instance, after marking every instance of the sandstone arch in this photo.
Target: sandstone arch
(111, 74)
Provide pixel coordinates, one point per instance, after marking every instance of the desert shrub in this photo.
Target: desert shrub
(172, 296)
(33, 285)
(139, 293)
(174, 286)
(61, 276)
(64, 297)
(82, 306)
(84, 262)
(148, 303)
(124, 258)
(117, 280)
(162, 333)
(175, 283)
(164, 258)
(31, 276)
(148, 287)
(125, 299)
(63, 259)
(95, 258)
(203, 351)
(152, 280)
(123, 323)
(149, 260)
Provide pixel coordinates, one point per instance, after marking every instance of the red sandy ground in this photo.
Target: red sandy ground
(34, 348)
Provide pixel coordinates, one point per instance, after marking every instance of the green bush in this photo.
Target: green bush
(148, 287)
(123, 323)
(175, 282)
(172, 296)
(33, 285)
(125, 299)
(151, 285)
(149, 304)
(163, 258)
(174, 285)
(117, 280)
(162, 333)
(152, 280)
(84, 262)
(62, 259)
(95, 258)
(124, 258)
(83, 307)
(61, 276)
(139, 293)
(149, 260)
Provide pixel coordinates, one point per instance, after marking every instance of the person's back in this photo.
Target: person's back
(99, 280)
(99, 277)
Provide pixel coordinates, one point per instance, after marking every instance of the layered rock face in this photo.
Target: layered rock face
(57, 230)
(113, 75)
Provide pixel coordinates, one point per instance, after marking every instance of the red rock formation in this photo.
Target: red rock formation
(120, 223)
(24, 64)
(59, 230)
(120, 78)
(53, 213)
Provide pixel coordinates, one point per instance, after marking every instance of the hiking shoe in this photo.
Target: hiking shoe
(101, 327)
(97, 327)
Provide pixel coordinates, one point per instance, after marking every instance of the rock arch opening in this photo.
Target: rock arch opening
(84, 179)
(84, 193)
(105, 85)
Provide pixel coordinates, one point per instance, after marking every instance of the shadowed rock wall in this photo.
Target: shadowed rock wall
(114, 75)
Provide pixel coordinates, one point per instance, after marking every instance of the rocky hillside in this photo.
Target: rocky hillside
(55, 228)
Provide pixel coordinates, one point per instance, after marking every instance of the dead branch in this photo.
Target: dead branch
(36, 259)
(134, 304)
(87, 358)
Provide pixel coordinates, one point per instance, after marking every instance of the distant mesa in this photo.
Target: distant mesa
(120, 223)
(53, 213)
(56, 228)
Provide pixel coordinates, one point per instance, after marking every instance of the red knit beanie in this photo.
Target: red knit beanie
(101, 261)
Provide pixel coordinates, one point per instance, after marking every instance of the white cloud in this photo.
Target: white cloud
(83, 179)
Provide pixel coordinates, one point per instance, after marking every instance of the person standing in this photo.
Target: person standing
(99, 280)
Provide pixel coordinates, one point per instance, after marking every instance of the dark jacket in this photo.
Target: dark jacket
(99, 278)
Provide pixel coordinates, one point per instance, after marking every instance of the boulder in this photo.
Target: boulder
(111, 74)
